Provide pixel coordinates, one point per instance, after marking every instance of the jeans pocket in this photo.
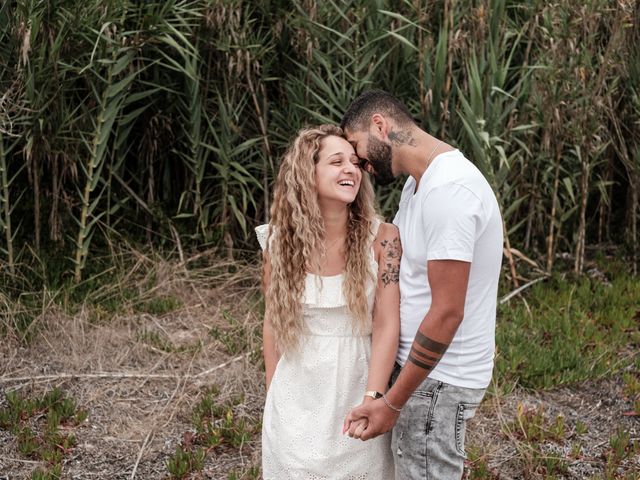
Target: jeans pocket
(466, 411)
(410, 436)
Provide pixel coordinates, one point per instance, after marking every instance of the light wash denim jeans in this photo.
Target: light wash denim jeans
(428, 439)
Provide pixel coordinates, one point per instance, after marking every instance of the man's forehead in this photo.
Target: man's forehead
(351, 136)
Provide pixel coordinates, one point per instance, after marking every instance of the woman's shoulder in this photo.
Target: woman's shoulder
(387, 238)
(386, 231)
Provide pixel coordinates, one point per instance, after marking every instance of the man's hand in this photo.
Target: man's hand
(380, 418)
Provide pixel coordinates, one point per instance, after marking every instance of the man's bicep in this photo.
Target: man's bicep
(448, 280)
(451, 218)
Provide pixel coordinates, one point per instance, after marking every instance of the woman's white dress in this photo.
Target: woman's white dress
(312, 392)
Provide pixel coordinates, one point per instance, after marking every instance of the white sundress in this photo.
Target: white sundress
(312, 392)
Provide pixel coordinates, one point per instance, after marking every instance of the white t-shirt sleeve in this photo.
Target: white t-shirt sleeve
(452, 219)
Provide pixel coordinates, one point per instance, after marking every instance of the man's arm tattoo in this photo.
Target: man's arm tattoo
(428, 359)
(428, 344)
(402, 138)
(418, 363)
(424, 356)
(392, 251)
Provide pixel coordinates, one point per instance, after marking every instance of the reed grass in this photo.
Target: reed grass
(163, 122)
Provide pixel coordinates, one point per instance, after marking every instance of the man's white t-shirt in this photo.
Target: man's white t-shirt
(454, 215)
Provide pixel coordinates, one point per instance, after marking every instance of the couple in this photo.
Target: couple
(354, 305)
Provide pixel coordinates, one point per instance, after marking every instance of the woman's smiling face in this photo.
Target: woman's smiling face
(338, 174)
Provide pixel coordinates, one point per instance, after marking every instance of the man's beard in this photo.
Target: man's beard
(379, 156)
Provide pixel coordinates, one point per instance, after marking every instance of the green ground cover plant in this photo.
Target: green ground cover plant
(567, 330)
(562, 331)
(216, 425)
(40, 426)
(138, 134)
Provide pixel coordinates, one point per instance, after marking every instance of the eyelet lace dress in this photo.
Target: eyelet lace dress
(312, 391)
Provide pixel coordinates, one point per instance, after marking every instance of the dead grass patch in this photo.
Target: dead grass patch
(139, 374)
(140, 353)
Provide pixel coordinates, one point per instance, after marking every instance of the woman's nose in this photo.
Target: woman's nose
(350, 168)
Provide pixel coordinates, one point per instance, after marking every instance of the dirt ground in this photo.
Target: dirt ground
(140, 375)
(600, 405)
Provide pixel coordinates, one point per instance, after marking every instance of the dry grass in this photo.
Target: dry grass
(591, 413)
(144, 348)
(140, 374)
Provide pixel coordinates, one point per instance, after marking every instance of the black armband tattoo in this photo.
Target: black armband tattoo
(423, 359)
(432, 345)
(424, 356)
(418, 363)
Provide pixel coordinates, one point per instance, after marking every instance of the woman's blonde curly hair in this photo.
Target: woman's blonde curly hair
(296, 242)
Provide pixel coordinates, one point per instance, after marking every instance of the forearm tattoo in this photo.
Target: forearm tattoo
(426, 352)
(402, 138)
(392, 251)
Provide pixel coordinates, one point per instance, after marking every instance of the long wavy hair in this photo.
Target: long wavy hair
(296, 241)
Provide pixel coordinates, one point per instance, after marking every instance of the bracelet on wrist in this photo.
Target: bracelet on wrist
(388, 404)
(373, 394)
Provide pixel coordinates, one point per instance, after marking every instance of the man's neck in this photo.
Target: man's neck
(415, 154)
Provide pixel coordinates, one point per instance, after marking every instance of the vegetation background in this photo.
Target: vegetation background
(137, 134)
(164, 121)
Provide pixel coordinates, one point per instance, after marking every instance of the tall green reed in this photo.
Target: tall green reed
(163, 122)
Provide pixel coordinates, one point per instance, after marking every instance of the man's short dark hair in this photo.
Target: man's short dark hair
(374, 101)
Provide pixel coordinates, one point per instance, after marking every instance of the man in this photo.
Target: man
(451, 232)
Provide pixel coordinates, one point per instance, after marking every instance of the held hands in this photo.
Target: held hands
(370, 420)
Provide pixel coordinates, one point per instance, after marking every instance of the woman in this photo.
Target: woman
(326, 341)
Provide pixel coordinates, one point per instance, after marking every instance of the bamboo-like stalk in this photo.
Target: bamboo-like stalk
(533, 198)
(272, 67)
(110, 104)
(603, 210)
(5, 221)
(509, 255)
(261, 114)
(552, 216)
(424, 102)
(35, 172)
(635, 199)
(582, 226)
(449, 21)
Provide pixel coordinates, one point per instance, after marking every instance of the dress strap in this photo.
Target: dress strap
(262, 232)
(375, 225)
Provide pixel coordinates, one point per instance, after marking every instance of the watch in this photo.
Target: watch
(373, 394)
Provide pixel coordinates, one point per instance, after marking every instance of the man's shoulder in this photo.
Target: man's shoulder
(454, 167)
(456, 173)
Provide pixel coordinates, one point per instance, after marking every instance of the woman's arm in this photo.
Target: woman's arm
(386, 310)
(269, 350)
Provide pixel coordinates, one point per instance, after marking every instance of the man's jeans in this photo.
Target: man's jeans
(428, 439)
